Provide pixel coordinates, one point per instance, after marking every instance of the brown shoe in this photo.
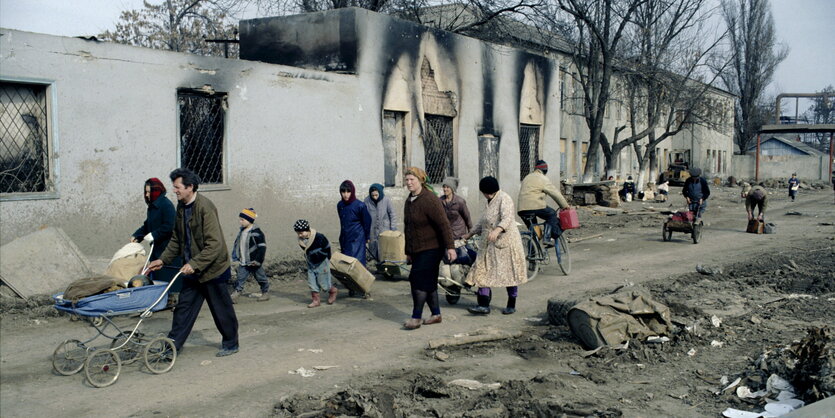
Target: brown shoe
(412, 323)
(434, 319)
(332, 295)
(315, 303)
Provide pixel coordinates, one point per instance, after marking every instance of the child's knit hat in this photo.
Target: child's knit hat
(301, 225)
(249, 214)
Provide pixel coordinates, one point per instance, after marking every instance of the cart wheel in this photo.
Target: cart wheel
(160, 355)
(696, 234)
(68, 358)
(128, 352)
(666, 234)
(102, 368)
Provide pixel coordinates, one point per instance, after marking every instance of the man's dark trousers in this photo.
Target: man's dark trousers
(216, 293)
(550, 217)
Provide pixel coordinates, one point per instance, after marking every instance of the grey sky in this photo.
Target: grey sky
(806, 26)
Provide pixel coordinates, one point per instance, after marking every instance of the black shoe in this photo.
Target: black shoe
(479, 310)
(226, 352)
(508, 311)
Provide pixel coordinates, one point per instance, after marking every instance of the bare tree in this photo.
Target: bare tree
(598, 30)
(176, 25)
(667, 86)
(755, 55)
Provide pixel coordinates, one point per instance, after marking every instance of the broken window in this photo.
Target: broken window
(394, 147)
(488, 156)
(202, 117)
(437, 147)
(24, 141)
(528, 148)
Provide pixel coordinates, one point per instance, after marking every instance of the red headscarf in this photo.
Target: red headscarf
(157, 189)
(347, 184)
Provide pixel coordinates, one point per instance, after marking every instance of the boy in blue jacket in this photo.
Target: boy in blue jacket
(317, 253)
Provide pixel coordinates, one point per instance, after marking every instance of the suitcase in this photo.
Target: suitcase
(755, 227)
(392, 246)
(569, 219)
(351, 273)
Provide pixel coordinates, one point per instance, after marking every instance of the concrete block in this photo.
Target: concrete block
(43, 262)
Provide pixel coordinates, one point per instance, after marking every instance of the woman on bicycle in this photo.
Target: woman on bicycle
(501, 259)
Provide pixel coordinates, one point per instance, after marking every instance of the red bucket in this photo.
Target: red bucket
(569, 219)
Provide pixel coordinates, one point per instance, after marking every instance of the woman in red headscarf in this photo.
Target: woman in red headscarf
(159, 223)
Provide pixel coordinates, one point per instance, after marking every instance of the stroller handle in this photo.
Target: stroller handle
(147, 312)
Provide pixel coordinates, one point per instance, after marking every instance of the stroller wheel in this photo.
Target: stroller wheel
(68, 358)
(160, 355)
(102, 368)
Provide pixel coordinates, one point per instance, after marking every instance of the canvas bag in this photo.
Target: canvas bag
(89, 286)
(392, 246)
(127, 262)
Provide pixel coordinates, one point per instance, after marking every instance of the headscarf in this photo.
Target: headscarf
(348, 185)
(419, 173)
(157, 189)
(379, 188)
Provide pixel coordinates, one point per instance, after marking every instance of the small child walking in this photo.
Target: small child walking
(317, 253)
(249, 251)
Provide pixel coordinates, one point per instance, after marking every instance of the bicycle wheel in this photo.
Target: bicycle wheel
(563, 256)
(68, 358)
(102, 368)
(533, 255)
(160, 355)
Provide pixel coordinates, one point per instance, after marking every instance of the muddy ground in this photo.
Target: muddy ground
(771, 290)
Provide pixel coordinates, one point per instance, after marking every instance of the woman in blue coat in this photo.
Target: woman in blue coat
(159, 222)
(354, 221)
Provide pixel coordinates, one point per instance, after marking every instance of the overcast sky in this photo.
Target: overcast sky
(806, 26)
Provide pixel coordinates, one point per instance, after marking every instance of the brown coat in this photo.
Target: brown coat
(209, 257)
(426, 224)
(501, 263)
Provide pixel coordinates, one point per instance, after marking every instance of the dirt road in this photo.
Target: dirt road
(364, 339)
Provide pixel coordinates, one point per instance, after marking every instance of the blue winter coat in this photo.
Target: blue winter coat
(160, 223)
(355, 228)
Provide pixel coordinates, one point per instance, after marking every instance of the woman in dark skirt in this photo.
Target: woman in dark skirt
(428, 238)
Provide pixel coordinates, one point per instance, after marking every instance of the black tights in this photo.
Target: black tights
(419, 297)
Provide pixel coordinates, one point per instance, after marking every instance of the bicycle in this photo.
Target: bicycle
(537, 253)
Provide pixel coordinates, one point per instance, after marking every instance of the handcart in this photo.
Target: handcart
(454, 285)
(391, 261)
(102, 364)
(683, 221)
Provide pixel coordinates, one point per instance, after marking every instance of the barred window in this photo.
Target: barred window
(24, 142)
(528, 148)
(437, 145)
(202, 118)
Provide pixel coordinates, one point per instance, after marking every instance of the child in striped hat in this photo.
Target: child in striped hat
(249, 251)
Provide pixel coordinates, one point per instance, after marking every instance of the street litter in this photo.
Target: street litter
(610, 240)
(205, 362)
(574, 373)
(312, 350)
(736, 413)
(715, 343)
(657, 339)
(708, 270)
(793, 213)
(745, 392)
(692, 352)
(715, 321)
(440, 355)
(474, 384)
(731, 386)
(301, 371)
(323, 367)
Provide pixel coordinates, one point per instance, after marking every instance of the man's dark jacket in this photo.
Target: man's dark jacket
(209, 256)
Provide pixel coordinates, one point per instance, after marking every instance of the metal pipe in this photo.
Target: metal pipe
(757, 169)
(831, 154)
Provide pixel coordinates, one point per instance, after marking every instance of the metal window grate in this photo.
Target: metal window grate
(201, 134)
(24, 143)
(437, 145)
(528, 149)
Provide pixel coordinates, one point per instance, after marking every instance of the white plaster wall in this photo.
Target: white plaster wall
(291, 137)
(776, 167)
